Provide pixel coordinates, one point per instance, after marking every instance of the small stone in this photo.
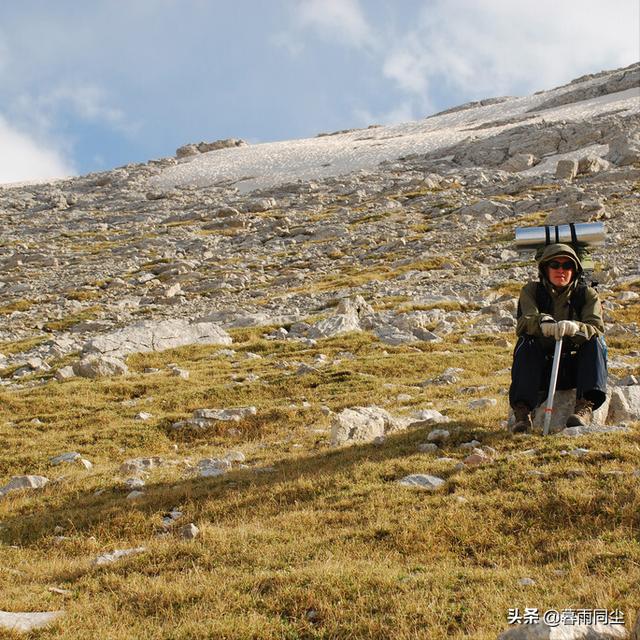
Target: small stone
(135, 494)
(579, 452)
(24, 482)
(438, 435)
(469, 445)
(428, 447)
(143, 415)
(65, 457)
(527, 582)
(483, 403)
(65, 373)
(85, 463)
(107, 558)
(422, 481)
(189, 531)
(235, 456)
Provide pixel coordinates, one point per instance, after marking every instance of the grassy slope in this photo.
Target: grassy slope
(327, 544)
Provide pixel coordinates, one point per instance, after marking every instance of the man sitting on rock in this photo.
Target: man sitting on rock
(559, 306)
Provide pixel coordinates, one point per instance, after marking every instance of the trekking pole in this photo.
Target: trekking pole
(548, 410)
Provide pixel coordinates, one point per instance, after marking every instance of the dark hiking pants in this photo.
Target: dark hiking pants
(582, 367)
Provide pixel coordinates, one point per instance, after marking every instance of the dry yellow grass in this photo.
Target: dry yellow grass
(307, 541)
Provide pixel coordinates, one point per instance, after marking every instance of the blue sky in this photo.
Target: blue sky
(88, 86)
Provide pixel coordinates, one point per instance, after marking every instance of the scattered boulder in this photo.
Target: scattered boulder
(519, 162)
(563, 405)
(189, 532)
(565, 631)
(27, 622)
(624, 149)
(566, 169)
(364, 424)
(592, 164)
(422, 481)
(100, 366)
(24, 482)
(108, 558)
(625, 404)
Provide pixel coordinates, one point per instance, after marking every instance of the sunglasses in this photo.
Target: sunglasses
(568, 265)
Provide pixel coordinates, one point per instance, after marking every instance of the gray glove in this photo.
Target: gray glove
(566, 328)
(548, 327)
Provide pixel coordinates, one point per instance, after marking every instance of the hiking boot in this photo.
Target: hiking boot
(582, 414)
(522, 414)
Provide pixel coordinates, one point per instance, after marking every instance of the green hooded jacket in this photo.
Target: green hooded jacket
(590, 320)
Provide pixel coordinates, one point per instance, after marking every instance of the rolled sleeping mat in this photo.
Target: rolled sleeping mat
(579, 233)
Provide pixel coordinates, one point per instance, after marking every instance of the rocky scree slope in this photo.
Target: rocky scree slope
(419, 222)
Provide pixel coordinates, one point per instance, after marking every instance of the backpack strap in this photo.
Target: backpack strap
(576, 303)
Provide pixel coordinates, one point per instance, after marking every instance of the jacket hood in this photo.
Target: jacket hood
(553, 251)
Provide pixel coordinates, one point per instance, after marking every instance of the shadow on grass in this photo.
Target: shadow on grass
(87, 511)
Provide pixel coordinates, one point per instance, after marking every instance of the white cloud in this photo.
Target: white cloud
(496, 46)
(401, 113)
(23, 158)
(341, 20)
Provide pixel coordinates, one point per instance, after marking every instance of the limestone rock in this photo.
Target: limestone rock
(100, 366)
(363, 424)
(24, 482)
(519, 162)
(157, 336)
(566, 169)
(26, 622)
(624, 149)
(592, 164)
(189, 531)
(625, 404)
(422, 481)
(108, 558)
(563, 405)
(565, 631)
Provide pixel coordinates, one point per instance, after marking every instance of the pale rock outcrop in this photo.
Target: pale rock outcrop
(519, 162)
(566, 169)
(364, 424)
(422, 481)
(27, 622)
(565, 631)
(23, 482)
(624, 405)
(624, 149)
(100, 366)
(563, 404)
(157, 336)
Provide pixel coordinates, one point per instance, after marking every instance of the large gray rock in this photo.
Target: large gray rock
(624, 149)
(592, 164)
(563, 405)
(519, 162)
(565, 631)
(625, 404)
(100, 366)
(157, 336)
(26, 622)
(364, 424)
(24, 482)
(566, 169)
(422, 481)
